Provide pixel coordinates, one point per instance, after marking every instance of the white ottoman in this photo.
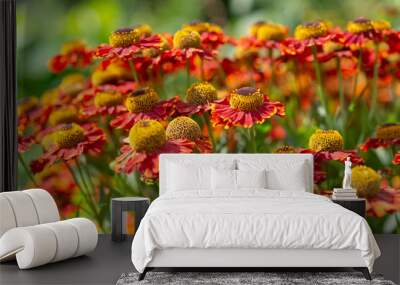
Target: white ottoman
(31, 232)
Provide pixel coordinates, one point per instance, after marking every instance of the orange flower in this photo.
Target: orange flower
(68, 141)
(310, 34)
(322, 156)
(24, 143)
(186, 128)
(57, 180)
(362, 30)
(142, 104)
(211, 35)
(128, 43)
(386, 201)
(74, 53)
(386, 135)
(104, 100)
(147, 140)
(396, 159)
(244, 107)
(198, 99)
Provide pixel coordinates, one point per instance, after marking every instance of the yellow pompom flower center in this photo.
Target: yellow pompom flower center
(68, 136)
(47, 141)
(388, 131)
(143, 30)
(49, 97)
(123, 37)
(271, 31)
(201, 93)
(114, 72)
(147, 136)
(27, 104)
(183, 128)
(381, 25)
(365, 180)
(108, 99)
(360, 25)
(186, 39)
(254, 28)
(141, 100)
(71, 46)
(310, 30)
(202, 27)
(285, 149)
(72, 84)
(246, 98)
(326, 140)
(63, 115)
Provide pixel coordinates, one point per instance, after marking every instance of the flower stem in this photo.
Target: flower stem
(374, 93)
(252, 139)
(30, 176)
(320, 90)
(82, 190)
(133, 70)
(202, 76)
(272, 79)
(353, 97)
(187, 74)
(343, 111)
(206, 119)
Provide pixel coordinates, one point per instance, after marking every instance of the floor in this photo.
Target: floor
(111, 259)
(103, 266)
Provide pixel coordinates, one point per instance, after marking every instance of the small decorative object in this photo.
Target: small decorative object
(347, 174)
(119, 207)
(347, 192)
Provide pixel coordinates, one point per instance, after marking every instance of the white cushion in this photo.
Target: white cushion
(183, 177)
(186, 175)
(223, 179)
(281, 174)
(40, 244)
(23, 208)
(251, 178)
(45, 205)
(7, 218)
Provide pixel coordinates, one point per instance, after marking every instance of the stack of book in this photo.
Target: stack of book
(344, 194)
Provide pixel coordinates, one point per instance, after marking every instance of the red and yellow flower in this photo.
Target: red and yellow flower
(67, 142)
(244, 107)
(185, 128)
(73, 53)
(211, 35)
(306, 36)
(147, 140)
(127, 43)
(264, 34)
(361, 30)
(386, 201)
(143, 103)
(327, 145)
(396, 159)
(386, 135)
(199, 98)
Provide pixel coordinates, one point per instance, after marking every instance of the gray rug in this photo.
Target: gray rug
(236, 278)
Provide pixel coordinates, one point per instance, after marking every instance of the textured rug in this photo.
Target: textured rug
(242, 278)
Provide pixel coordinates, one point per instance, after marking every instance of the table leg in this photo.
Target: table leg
(116, 222)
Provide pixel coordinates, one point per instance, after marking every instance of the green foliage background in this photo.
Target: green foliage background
(43, 25)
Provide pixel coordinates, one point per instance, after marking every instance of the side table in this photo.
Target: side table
(357, 205)
(119, 207)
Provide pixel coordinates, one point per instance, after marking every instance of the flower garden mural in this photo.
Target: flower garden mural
(332, 91)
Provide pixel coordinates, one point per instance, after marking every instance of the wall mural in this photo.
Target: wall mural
(322, 89)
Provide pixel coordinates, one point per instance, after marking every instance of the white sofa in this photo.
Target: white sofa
(31, 231)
